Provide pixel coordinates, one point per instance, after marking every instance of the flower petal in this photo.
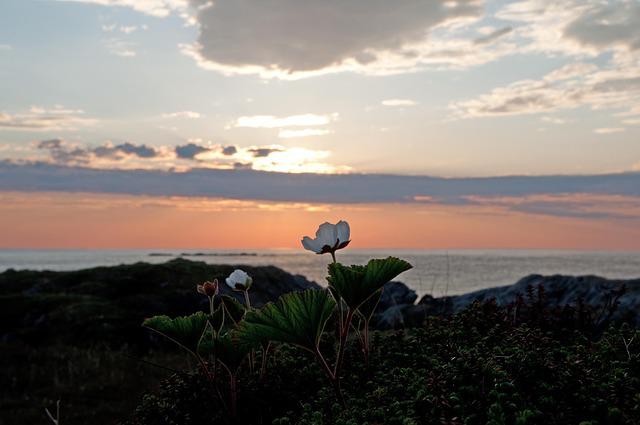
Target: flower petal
(327, 234)
(343, 231)
(311, 244)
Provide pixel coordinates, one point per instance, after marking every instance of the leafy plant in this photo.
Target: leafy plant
(355, 285)
(297, 318)
(185, 331)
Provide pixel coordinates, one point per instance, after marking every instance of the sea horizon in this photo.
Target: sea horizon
(436, 271)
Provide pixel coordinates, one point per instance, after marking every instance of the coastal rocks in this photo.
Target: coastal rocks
(559, 290)
(396, 293)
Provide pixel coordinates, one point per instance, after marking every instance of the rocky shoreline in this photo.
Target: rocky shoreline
(114, 300)
(558, 291)
(76, 335)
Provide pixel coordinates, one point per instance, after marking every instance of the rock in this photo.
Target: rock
(400, 316)
(559, 290)
(396, 293)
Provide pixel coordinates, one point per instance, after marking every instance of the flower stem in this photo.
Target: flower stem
(335, 379)
(211, 305)
(247, 302)
(233, 387)
(343, 341)
(333, 255)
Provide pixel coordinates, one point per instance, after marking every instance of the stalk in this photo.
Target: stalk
(335, 379)
(263, 364)
(233, 387)
(343, 341)
(247, 301)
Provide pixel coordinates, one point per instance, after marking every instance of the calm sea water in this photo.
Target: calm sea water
(435, 272)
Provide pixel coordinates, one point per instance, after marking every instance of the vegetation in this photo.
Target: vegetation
(523, 364)
(76, 337)
(486, 365)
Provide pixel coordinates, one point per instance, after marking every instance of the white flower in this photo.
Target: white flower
(329, 238)
(239, 280)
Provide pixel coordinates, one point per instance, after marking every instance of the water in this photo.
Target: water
(435, 272)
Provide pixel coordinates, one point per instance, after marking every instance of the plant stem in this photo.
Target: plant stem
(233, 387)
(333, 255)
(343, 341)
(335, 380)
(365, 340)
(211, 305)
(263, 365)
(247, 302)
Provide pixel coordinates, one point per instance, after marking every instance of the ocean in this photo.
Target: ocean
(436, 272)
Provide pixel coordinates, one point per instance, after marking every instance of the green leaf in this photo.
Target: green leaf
(185, 331)
(297, 318)
(234, 310)
(230, 350)
(356, 284)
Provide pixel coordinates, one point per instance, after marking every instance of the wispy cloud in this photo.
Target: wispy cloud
(398, 102)
(119, 47)
(608, 130)
(307, 132)
(182, 114)
(38, 118)
(568, 87)
(157, 8)
(270, 121)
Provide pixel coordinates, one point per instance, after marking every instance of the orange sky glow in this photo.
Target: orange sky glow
(85, 220)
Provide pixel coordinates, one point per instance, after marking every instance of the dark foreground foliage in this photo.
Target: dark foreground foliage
(75, 336)
(486, 365)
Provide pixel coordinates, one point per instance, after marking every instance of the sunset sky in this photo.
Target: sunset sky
(246, 123)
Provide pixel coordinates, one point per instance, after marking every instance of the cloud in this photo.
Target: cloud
(37, 118)
(291, 36)
(122, 48)
(130, 156)
(492, 36)
(553, 120)
(63, 152)
(614, 196)
(608, 130)
(5, 47)
(190, 150)
(607, 25)
(568, 87)
(229, 150)
(182, 114)
(398, 102)
(307, 132)
(157, 8)
(270, 121)
(263, 152)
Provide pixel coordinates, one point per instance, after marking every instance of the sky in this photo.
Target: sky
(246, 123)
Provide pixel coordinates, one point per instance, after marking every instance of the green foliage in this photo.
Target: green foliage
(185, 331)
(477, 367)
(233, 309)
(356, 284)
(297, 318)
(230, 351)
